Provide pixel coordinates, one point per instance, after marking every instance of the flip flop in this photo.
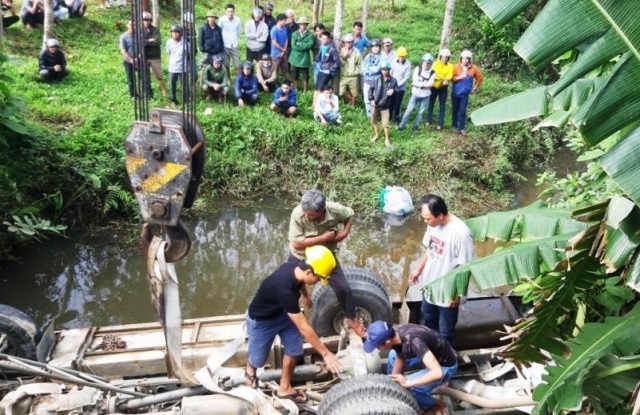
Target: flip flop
(294, 397)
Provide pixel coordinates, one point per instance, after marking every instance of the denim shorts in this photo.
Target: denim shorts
(262, 333)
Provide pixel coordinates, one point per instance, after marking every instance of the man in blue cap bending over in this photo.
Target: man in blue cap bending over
(416, 346)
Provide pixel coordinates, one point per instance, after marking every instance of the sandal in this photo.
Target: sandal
(253, 379)
(298, 397)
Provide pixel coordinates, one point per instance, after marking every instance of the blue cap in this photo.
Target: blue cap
(377, 333)
(386, 65)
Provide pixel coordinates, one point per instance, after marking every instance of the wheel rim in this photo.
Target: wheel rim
(362, 314)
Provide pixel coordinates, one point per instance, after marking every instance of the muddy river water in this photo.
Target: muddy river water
(94, 282)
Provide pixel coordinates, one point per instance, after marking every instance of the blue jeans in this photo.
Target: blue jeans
(261, 334)
(422, 393)
(459, 110)
(441, 319)
(331, 116)
(413, 102)
(441, 95)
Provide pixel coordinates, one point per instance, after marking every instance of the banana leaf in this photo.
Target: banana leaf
(615, 105)
(507, 267)
(521, 106)
(622, 164)
(560, 26)
(601, 51)
(502, 12)
(611, 381)
(561, 388)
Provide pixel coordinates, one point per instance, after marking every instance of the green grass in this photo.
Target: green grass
(252, 152)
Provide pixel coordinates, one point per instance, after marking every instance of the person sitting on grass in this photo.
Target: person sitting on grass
(215, 79)
(285, 100)
(52, 63)
(32, 13)
(327, 108)
(246, 87)
(267, 74)
(7, 6)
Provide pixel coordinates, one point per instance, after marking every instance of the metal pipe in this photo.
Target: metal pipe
(484, 402)
(37, 372)
(163, 397)
(86, 376)
(304, 372)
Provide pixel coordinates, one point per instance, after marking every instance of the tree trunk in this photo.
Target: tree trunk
(447, 24)
(47, 31)
(337, 25)
(365, 15)
(155, 13)
(321, 8)
(315, 18)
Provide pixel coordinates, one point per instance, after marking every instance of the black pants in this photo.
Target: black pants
(397, 106)
(128, 70)
(340, 286)
(173, 79)
(52, 76)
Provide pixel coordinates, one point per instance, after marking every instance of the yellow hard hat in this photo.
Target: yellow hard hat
(401, 52)
(321, 260)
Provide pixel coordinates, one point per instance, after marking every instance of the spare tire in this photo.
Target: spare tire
(19, 332)
(378, 390)
(369, 296)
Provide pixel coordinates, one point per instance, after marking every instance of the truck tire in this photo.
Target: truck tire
(352, 274)
(376, 388)
(372, 406)
(370, 301)
(20, 332)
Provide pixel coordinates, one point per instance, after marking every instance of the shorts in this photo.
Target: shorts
(156, 67)
(232, 54)
(282, 64)
(323, 80)
(384, 116)
(296, 72)
(253, 55)
(262, 333)
(349, 83)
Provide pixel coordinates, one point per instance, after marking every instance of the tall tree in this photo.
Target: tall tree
(447, 24)
(337, 25)
(155, 13)
(365, 15)
(47, 32)
(315, 18)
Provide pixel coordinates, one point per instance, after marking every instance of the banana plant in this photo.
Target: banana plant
(599, 95)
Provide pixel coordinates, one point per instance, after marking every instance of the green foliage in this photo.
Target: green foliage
(591, 361)
(77, 129)
(29, 227)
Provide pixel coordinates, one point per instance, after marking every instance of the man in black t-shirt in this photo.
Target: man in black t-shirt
(414, 345)
(275, 311)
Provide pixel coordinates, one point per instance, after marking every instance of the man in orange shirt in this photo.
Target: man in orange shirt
(467, 78)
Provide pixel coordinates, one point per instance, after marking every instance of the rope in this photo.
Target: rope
(141, 104)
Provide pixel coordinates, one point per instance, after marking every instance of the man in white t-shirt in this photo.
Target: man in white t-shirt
(448, 244)
(230, 25)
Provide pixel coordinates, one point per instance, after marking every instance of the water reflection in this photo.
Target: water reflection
(95, 283)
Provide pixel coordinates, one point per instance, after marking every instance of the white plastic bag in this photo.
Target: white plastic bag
(397, 201)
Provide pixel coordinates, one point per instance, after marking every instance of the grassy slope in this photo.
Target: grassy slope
(253, 151)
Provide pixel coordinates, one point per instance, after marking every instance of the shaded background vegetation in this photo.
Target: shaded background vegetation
(69, 169)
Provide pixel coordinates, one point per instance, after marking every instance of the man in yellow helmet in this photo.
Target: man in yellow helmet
(275, 311)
